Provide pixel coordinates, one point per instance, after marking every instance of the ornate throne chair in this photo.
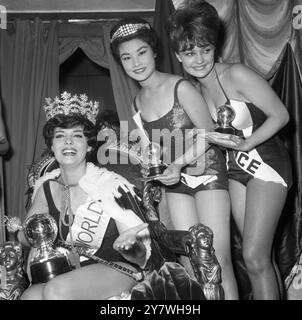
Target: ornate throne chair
(166, 278)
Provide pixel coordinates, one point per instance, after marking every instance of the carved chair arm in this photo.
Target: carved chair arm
(203, 260)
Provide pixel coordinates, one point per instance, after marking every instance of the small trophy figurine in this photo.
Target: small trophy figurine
(41, 230)
(152, 156)
(13, 280)
(225, 116)
(205, 264)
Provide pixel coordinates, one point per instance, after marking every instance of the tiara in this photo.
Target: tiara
(128, 29)
(71, 104)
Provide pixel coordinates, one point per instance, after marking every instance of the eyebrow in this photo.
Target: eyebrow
(142, 47)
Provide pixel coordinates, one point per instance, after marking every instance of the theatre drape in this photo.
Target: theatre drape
(2, 200)
(288, 85)
(166, 59)
(29, 72)
(94, 40)
(124, 88)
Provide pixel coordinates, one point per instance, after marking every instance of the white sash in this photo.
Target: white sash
(138, 120)
(89, 225)
(252, 163)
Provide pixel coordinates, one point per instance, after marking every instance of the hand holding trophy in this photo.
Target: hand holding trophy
(225, 116)
(152, 163)
(225, 134)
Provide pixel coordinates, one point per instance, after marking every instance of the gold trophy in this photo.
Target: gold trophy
(41, 230)
(225, 116)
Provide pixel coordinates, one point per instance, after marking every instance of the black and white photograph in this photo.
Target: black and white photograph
(150, 150)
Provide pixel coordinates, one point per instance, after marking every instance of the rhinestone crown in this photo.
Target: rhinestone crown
(69, 104)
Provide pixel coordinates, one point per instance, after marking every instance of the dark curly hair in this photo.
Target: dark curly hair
(195, 24)
(147, 35)
(66, 122)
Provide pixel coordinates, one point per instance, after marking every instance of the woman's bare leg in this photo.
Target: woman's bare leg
(214, 211)
(92, 282)
(263, 206)
(34, 292)
(183, 215)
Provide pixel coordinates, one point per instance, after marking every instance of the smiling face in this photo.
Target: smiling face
(137, 58)
(198, 61)
(70, 145)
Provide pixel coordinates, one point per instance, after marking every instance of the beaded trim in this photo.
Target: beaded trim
(128, 29)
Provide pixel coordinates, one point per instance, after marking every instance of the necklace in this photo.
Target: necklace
(67, 211)
(66, 205)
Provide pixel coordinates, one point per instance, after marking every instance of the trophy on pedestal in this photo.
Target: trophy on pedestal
(152, 156)
(225, 116)
(41, 231)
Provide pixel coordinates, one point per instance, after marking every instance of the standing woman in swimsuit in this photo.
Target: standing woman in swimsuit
(166, 101)
(258, 165)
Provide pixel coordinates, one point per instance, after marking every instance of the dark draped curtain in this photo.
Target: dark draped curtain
(166, 59)
(29, 72)
(288, 85)
(94, 40)
(124, 88)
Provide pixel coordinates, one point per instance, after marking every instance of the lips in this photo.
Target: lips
(138, 71)
(69, 151)
(199, 68)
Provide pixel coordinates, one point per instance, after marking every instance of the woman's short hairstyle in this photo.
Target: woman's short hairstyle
(196, 24)
(66, 122)
(140, 29)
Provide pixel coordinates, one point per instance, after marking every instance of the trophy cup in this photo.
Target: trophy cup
(152, 156)
(225, 116)
(41, 230)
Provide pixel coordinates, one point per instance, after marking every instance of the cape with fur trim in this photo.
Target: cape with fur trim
(107, 188)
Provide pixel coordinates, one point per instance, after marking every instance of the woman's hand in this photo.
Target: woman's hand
(229, 141)
(130, 245)
(171, 175)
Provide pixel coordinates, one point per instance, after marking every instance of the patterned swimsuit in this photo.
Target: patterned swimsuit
(214, 175)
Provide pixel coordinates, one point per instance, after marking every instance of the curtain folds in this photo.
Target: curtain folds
(256, 31)
(29, 72)
(95, 43)
(166, 59)
(94, 49)
(288, 85)
(124, 88)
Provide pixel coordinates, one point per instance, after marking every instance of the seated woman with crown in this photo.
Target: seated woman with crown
(90, 209)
